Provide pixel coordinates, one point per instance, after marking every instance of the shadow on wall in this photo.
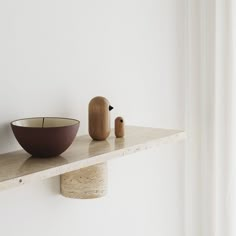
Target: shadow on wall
(53, 185)
(7, 141)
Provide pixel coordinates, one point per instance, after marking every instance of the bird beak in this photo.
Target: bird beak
(111, 107)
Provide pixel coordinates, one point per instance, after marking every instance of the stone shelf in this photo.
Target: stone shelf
(18, 168)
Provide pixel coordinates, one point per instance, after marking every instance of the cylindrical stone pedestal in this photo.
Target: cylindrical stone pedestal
(85, 183)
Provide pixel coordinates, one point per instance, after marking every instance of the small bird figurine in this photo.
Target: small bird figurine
(119, 127)
(99, 118)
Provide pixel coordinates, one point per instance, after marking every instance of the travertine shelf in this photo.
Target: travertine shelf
(17, 168)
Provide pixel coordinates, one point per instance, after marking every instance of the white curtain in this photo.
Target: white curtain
(210, 168)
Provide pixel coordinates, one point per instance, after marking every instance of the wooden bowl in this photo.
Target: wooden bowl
(45, 136)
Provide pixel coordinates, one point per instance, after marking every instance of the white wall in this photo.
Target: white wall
(54, 57)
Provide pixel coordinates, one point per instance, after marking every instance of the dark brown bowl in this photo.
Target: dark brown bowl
(45, 136)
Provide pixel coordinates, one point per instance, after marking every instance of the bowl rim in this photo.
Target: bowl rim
(41, 117)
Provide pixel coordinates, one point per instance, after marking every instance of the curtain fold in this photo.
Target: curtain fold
(209, 108)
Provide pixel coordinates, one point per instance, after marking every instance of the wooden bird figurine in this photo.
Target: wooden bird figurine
(119, 127)
(99, 118)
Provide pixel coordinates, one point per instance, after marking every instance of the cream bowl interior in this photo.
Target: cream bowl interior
(45, 122)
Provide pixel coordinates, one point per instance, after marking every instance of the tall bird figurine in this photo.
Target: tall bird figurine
(99, 118)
